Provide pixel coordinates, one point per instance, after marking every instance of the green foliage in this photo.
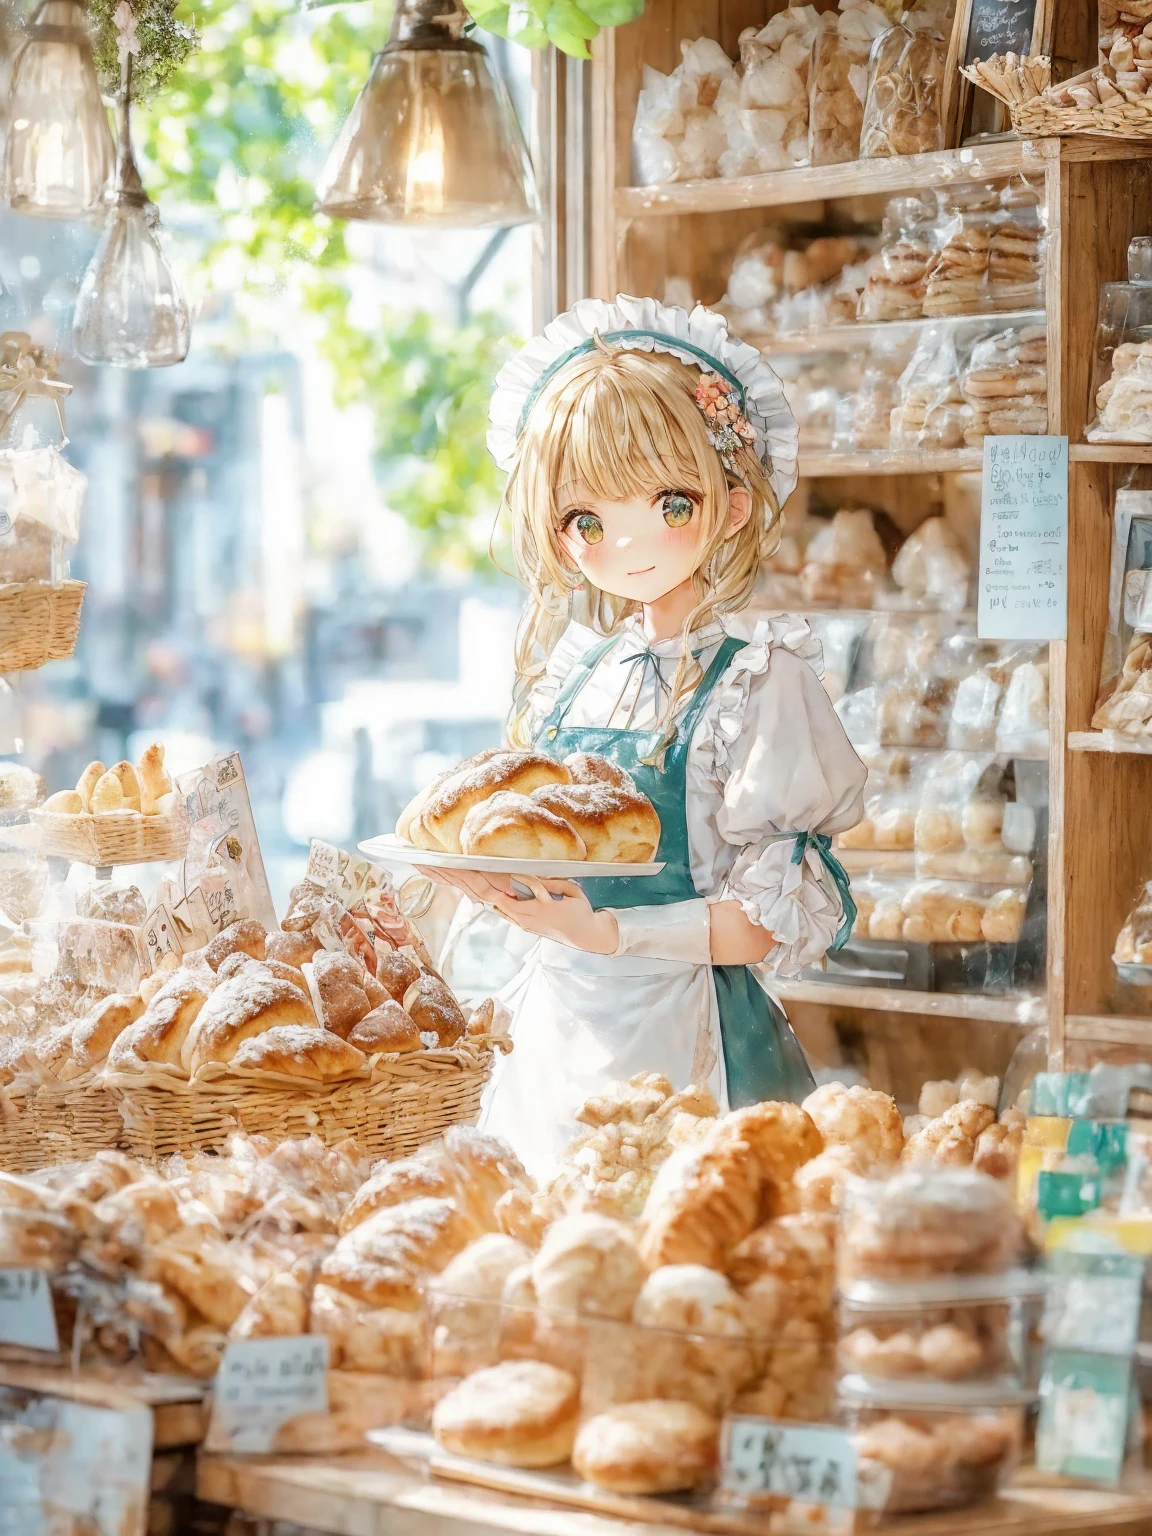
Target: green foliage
(165, 44)
(240, 137)
(535, 23)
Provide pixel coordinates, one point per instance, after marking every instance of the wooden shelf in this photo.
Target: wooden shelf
(1110, 453)
(1110, 742)
(856, 178)
(177, 1403)
(818, 465)
(1022, 1009)
(1109, 1028)
(846, 338)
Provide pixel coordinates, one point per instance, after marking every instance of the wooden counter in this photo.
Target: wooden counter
(373, 1494)
(177, 1403)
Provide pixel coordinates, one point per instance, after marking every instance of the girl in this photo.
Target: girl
(649, 454)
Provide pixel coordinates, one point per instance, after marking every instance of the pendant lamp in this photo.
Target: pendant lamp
(59, 154)
(432, 138)
(130, 311)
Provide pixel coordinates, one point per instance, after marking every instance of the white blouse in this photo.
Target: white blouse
(768, 756)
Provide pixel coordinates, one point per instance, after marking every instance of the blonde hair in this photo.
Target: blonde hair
(621, 424)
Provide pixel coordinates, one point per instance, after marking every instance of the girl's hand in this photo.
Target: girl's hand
(571, 920)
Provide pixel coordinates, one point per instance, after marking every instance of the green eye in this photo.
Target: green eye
(678, 509)
(589, 527)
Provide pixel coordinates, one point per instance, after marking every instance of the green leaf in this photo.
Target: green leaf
(525, 26)
(613, 13)
(566, 19)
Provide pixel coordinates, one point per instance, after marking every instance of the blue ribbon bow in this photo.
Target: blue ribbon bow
(823, 847)
(646, 659)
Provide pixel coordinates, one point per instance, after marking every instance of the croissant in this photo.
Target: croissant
(87, 783)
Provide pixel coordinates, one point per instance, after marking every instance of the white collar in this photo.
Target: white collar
(702, 639)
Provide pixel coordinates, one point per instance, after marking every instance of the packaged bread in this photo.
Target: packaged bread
(902, 108)
(932, 567)
(926, 1341)
(838, 80)
(864, 416)
(958, 281)
(1133, 947)
(41, 498)
(845, 561)
(1005, 381)
(931, 415)
(768, 130)
(1123, 364)
(927, 1222)
(897, 273)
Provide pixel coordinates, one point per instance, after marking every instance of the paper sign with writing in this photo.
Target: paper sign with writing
(812, 1463)
(161, 936)
(27, 1316)
(1024, 539)
(323, 864)
(69, 1466)
(261, 1384)
(999, 27)
(1085, 1401)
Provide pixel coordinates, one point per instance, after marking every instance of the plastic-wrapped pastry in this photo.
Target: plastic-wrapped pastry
(864, 417)
(1134, 941)
(769, 129)
(1128, 708)
(902, 109)
(894, 289)
(936, 1456)
(932, 566)
(844, 561)
(927, 1221)
(1023, 724)
(1005, 381)
(931, 414)
(838, 82)
(958, 280)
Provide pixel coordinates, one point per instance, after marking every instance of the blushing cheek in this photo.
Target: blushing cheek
(680, 544)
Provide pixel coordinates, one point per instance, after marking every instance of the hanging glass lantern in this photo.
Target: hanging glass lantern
(59, 153)
(130, 311)
(432, 138)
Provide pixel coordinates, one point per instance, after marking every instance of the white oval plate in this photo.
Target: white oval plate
(391, 849)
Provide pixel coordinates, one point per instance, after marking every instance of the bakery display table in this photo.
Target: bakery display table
(372, 1493)
(176, 1402)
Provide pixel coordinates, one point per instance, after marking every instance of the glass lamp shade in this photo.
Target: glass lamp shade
(130, 311)
(59, 154)
(432, 139)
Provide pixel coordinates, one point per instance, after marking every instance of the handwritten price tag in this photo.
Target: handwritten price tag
(27, 1317)
(811, 1463)
(261, 1384)
(1024, 539)
(70, 1466)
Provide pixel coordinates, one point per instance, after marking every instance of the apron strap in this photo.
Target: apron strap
(718, 666)
(573, 683)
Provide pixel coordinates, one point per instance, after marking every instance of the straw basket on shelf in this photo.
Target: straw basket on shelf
(1116, 104)
(406, 1101)
(56, 1122)
(117, 837)
(38, 622)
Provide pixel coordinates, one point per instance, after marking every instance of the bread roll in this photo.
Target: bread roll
(429, 1175)
(244, 1006)
(161, 1033)
(93, 1036)
(861, 1118)
(513, 826)
(107, 796)
(658, 1446)
(396, 971)
(247, 936)
(153, 778)
(384, 1261)
(294, 949)
(297, 1050)
(340, 982)
(615, 825)
(273, 968)
(129, 785)
(431, 1004)
(521, 1413)
(588, 1264)
(65, 802)
(388, 1340)
(591, 768)
(87, 783)
(445, 811)
(205, 1276)
(387, 1028)
(279, 1309)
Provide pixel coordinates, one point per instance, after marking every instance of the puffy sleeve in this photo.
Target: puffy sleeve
(783, 764)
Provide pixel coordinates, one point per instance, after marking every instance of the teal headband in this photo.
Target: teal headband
(713, 364)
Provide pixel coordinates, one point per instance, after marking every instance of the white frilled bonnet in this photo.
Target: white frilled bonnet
(644, 325)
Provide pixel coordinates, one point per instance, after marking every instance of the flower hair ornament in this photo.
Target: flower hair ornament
(741, 399)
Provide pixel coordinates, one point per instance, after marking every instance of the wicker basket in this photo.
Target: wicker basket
(38, 622)
(1040, 110)
(408, 1100)
(117, 837)
(1044, 118)
(57, 1123)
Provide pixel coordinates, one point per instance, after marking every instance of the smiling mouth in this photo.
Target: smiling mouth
(644, 572)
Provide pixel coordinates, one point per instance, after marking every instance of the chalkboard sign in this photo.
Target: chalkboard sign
(999, 27)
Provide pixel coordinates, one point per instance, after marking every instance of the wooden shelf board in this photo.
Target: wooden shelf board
(1110, 453)
(177, 1404)
(1022, 1009)
(1109, 1028)
(817, 465)
(817, 183)
(1109, 741)
(846, 338)
(372, 1492)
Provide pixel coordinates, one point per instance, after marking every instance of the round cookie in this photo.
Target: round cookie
(521, 1413)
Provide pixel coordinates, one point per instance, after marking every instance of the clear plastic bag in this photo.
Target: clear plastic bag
(897, 273)
(924, 1223)
(1132, 953)
(756, 280)
(932, 568)
(1122, 379)
(1022, 728)
(41, 496)
(931, 414)
(679, 132)
(769, 129)
(838, 80)
(902, 109)
(1124, 702)
(864, 418)
(657, 127)
(1005, 381)
(844, 562)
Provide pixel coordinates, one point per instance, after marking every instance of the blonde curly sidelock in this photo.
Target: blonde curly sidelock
(623, 423)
